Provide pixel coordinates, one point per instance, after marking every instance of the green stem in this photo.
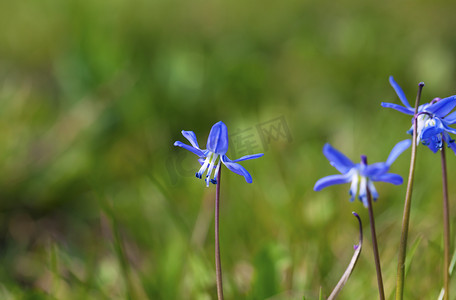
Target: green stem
(407, 206)
(446, 226)
(378, 267)
(218, 265)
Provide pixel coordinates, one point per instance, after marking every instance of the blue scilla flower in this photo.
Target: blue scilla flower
(361, 175)
(217, 146)
(433, 119)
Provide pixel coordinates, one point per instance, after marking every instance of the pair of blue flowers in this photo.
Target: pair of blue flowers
(358, 174)
(433, 120)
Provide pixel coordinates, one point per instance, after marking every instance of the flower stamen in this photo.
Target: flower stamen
(211, 167)
(354, 185)
(363, 190)
(217, 169)
(204, 166)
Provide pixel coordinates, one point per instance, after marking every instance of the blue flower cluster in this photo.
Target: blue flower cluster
(432, 122)
(433, 119)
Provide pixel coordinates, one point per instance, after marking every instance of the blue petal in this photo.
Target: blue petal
(373, 170)
(410, 131)
(399, 91)
(339, 161)
(451, 118)
(397, 150)
(390, 178)
(247, 157)
(423, 107)
(402, 109)
(191, 137)
(236, 168)
(331, 180)
(189, 148)
(447, 138)
(448, 128)
(217, 141)
(372, 189)
(452, 145)
(442, 107)
(432, 130)
(434, 143)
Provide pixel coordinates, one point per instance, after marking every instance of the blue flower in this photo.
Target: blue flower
(217, 146)
(433, 119)
(362, 174)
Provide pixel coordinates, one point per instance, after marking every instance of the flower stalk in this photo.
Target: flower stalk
(362, 177)
(218, 265)
(351, 266)
(407, 205)
(378, 267)
(211, 160)
(446, 227)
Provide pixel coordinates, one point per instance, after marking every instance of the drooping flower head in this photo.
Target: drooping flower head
(433, 119)
(215, 153)
(360, 175)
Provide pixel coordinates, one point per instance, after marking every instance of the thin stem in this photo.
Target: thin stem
(446, 226)
(218, 266)
(378, 267)
(407, 206)
(351, 266)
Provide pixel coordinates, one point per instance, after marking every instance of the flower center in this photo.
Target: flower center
(354, 184)
(424, 120)
(208, 165)
(360, 183)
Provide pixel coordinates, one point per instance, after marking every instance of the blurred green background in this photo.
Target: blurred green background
(97, 203)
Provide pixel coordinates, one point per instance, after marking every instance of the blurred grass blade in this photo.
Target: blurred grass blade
(343, 280)
(453, 262)
(408, 260)
(266, 283)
